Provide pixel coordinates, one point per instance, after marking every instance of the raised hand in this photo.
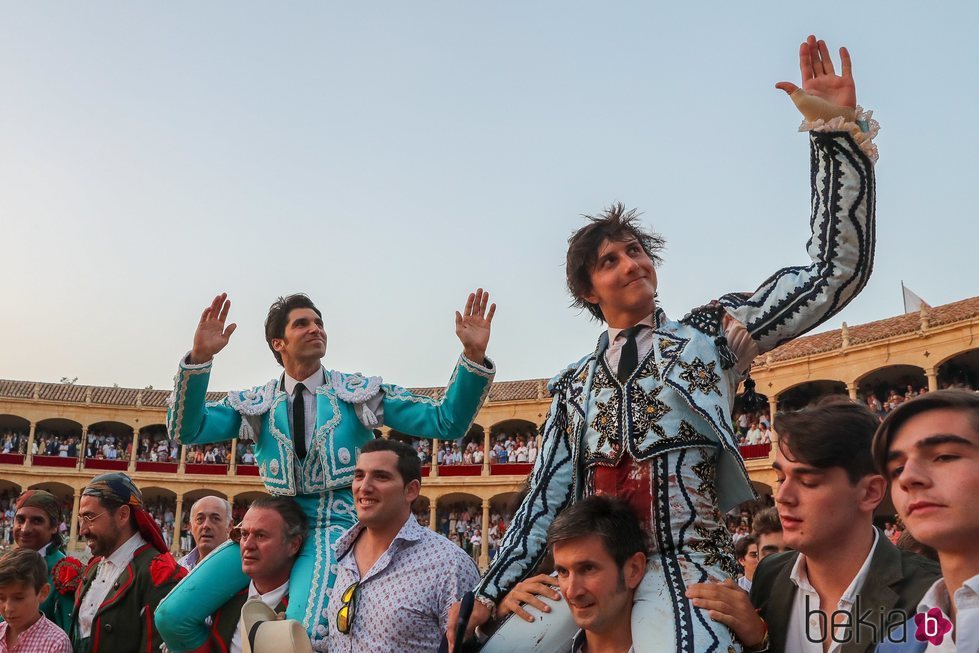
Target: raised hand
(211, 335)
(819, 78)
(473, 326)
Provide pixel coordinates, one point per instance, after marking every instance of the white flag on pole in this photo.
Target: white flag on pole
(912, 303)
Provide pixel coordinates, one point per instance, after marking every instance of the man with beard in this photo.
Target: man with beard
(36, 525)
(210, 524)
(129, 573)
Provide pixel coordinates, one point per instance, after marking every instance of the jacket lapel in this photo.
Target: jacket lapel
(877, 596)
(122, 584)
(780, 601)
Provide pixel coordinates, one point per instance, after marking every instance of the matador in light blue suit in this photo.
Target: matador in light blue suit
(308, 426)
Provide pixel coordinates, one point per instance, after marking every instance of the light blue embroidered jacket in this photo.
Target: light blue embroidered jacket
(682, 393)
(262, 414)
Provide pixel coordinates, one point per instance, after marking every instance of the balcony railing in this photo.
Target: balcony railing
(749, 451)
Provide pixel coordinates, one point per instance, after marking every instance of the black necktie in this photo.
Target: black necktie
(629, 356)
(299, 421)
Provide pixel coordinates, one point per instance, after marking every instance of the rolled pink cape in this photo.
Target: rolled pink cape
(118, 487)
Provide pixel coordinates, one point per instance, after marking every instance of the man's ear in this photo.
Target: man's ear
(43, 594)
(634, 569)
(874, 490)
(277, 344)
(412, 490)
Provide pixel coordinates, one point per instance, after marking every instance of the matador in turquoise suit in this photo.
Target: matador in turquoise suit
(307, 425)
(647, 415)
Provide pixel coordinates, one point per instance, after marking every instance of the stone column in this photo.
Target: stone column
(484, 547)
(178, 517)
(82, 444)
(132, 454)
(433, 470)
(486, 453)
(73, 527)
(772, 409)
(182, 463)
(851, 389)
(932, 374)
(431, 514)
(233, 465)
(29, 455)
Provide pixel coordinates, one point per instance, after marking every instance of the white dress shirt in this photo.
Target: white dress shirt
(966, 629)
(271, 599)
(109, 570)
(310, 384)
(797, 639)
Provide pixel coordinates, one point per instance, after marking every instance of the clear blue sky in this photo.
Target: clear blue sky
(387, 157)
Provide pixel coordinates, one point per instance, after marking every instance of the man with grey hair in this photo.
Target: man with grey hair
(210, 524)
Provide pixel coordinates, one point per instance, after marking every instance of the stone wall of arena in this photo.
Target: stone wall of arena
(922, 347)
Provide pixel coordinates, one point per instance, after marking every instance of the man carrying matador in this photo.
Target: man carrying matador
(647, 415)
(308, 425)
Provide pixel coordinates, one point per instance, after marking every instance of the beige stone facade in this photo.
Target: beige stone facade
(936, 347)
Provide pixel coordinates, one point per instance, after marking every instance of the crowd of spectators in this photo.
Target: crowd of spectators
(210, 454)
(53, 444)
(156, 447)
(13, 442)
(884, 398)
(107, 446)
(753, 427)
(461, 523)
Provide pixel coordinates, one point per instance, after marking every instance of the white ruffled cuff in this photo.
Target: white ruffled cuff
(863, 129)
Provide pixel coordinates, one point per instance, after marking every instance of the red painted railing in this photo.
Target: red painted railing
(207, 468)
(247, 470)
(54, 461)
(12, 458)
(147, 466)
(102, 463)
(755, 450)
(511, 469)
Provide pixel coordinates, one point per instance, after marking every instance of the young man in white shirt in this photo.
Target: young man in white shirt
(929, 449)
(843, 584)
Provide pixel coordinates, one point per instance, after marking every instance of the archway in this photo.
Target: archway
(513, 441)
(459, 516)
(886, 387)
(153, 444)
(960, 371)
(58, 437)
(14, 433)
(804, 394)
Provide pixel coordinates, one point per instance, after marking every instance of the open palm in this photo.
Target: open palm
(473, 325)
(212, 336)
(819, 76)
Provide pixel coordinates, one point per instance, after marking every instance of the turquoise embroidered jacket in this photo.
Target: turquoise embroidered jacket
(344, 420)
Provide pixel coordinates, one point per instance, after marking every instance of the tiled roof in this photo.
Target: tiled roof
(532, 389)
(872, 331)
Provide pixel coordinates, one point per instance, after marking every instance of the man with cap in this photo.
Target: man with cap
(36, 524)
(129, 574)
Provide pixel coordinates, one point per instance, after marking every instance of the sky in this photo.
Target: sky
(387, 158)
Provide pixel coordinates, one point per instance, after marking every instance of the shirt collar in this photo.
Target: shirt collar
(121, 556)
(578, 642)
(313, 381)
(411, 531)
(43, 551)
(650, 320)
(800, 574)
(272, 598)
(937, 595)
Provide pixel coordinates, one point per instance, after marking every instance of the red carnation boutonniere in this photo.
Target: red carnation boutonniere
(67, 575)
(164, 568)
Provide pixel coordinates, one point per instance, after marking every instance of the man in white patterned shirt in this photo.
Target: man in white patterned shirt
(396, 580)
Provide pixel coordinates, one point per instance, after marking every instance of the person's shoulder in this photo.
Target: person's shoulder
(769, 568)
(565, 376)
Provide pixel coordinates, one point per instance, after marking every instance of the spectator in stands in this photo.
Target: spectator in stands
(826, 497)
(389, 595)
(929, 448)
(129, 573)
(210, 519)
